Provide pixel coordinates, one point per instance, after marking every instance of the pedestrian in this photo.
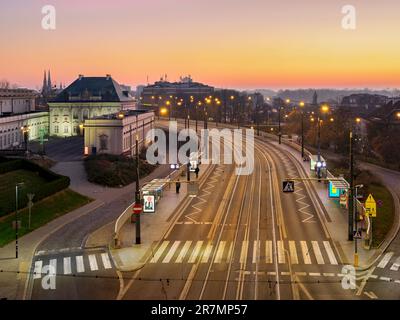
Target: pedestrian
(197, 172)
(177, 186)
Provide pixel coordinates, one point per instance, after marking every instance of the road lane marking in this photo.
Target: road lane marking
(328, 274)
(196, 252)
(53, 266)
(303, 274)
(281, 252)
(67, 265)
(317, 252)
(106, 260)
(243, 251)
(80, 267)
(293, 253)
(38, 269)
(93, 262)
(206, 253)
(230, 252)
(385, 279)
(183, 252)
(396, 265)
(306, 252)
(159, 252)
(330, 253)
(314, 274)
(256, 249)
(171, 252)
(220, 252)
(385, 260)
(268, 251)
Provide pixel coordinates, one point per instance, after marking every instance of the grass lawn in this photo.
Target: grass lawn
(385, 214)
(32, 182)
(42, 212)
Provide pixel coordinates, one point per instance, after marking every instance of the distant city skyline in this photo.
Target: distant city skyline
(251, 44)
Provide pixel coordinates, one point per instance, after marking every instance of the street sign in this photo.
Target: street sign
(357, 234)
(137, 208)
(343, 199)
(288, 186)
(149, 204)
(370, 206)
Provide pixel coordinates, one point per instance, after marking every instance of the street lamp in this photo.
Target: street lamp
(323, 109)
(352, 188)
(17, 186)
(208, 101)
(168, 103)
(25, 132)
(302, 104)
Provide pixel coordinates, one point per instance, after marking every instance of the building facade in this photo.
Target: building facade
(17, 111)
(86, 98)
(116, 133)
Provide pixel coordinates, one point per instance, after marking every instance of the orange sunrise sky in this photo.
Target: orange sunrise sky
(224, 43)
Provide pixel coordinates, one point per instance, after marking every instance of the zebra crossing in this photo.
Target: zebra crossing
(300, 252)
(72, 264)
(389, 261)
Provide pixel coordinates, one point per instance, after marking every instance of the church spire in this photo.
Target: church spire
(44, 88)
(49, 85)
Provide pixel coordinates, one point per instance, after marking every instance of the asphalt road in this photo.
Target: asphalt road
(241, 238)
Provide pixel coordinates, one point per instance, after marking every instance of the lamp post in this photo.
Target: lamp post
(302, 104)
(352, 188)
(323, 109)
(137, 191)
(25, 132)
(208, 101)
(17, 186)
(197, 114)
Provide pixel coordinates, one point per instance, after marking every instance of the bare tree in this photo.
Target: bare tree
(4, 84)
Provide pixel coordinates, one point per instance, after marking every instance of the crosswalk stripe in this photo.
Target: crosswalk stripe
(106, 260)
(93, 262)
(183, 252)
(207, 253)
(293, 253)
(243, 251)
(396, 265)
(195, 252)
(268, 251)
(220, 252)
(317, 252)
(329, 251)
(80, 267)
(230, 251)
(67, 265)
(38, 269)
(171, 252)
(256, 250)
(385, 260)
(159, 252)
(53, 266)
(305, 252)
(281, 252)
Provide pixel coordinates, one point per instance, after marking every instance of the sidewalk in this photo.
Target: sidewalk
(338, 224)
(154, 226)
(13, 285)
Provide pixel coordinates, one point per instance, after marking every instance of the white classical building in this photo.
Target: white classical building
(17, 110)
(116, 133)
(86, 98)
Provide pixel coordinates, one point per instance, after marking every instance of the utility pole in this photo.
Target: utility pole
(137, 192)
(16, 218)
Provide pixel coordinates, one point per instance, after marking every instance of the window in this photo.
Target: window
(75, 114)
(65, 129)
(56, 130)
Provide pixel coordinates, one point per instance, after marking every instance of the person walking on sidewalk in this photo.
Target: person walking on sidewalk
(197, 172)
(177, 186)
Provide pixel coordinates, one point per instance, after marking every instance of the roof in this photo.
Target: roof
(93, 89)
(340, 184)
(17, 93)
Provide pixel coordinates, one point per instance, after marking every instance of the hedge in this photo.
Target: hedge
(55, 183)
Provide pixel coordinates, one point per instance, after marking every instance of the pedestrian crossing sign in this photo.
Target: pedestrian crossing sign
(370, 206)
(288, 186)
